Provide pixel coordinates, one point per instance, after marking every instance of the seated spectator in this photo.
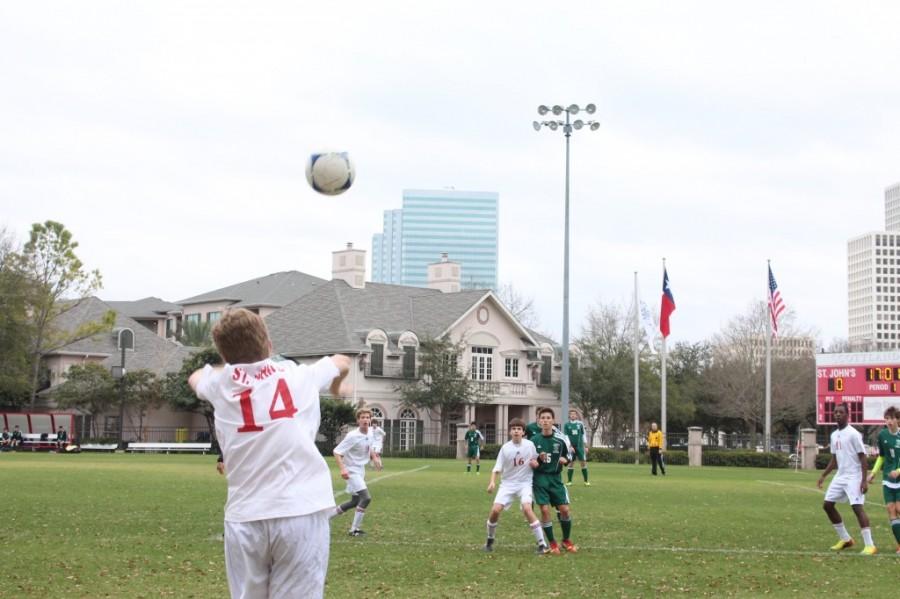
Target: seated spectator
(5, 440)
(62, 438)
(16, 437)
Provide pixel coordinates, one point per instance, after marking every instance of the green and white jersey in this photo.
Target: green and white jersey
(555, 447)
(474, 438)
(574, 430)
(532, 430)
(889, 449)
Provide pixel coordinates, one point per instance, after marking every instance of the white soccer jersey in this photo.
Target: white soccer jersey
(846, 445)
(513, 462)
(267, 416)
(377, 434)
(354, 449)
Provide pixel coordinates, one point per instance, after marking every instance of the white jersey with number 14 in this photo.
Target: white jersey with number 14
(267, 416)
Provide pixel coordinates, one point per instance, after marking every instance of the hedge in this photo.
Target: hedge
(822, 460)
(423, 451)
(711, 457)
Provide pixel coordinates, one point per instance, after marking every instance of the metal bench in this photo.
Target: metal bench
(170, 447)
(111, 447)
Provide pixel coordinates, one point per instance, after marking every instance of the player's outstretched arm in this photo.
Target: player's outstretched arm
(343, 365)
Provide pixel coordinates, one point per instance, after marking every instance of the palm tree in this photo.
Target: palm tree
(195, 333)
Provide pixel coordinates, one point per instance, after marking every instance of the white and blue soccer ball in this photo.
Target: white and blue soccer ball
(330, 173)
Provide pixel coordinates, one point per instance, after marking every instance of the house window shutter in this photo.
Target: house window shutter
(409, 362)
(377, 359)
(545, 369)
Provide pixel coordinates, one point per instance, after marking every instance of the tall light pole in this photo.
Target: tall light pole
(567, 128)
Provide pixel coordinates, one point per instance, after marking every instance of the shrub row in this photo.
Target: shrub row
(711, 457)
(423, 451)
(822, 460)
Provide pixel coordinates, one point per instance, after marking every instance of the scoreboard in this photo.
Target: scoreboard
(867, 383)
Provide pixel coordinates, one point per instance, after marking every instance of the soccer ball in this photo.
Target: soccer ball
(330, 173)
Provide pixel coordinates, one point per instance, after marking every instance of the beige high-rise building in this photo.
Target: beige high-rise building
(873, 282)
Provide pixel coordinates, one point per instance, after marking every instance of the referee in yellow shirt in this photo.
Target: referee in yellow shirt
(655, 442)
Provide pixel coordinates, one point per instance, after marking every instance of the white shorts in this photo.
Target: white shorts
(356, 482)
(508, 493)
(278, 558)
(844, 489)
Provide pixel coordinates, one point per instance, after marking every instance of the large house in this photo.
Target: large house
(379, 326)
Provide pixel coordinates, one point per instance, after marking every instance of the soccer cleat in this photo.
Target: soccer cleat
(840, 545)
(357, 533)
(569, 546)
(489, 546)
(569, 484)
(587, 484)
(542, 549)
(869, 550)
(554, 548)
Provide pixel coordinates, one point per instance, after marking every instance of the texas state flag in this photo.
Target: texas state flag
(667, 307)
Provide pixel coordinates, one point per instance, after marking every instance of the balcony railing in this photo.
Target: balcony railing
(391, 370)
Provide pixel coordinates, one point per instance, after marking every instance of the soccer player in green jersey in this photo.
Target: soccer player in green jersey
(548, 487)
(574, 430)
(889, 458)
(474, 441)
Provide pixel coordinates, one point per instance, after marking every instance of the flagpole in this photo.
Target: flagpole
(768, 434)
(637, 386)
(662, 415)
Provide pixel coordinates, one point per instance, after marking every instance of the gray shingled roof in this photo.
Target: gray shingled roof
(151, 351)
(336, 317)
(149, 307)
(276, 290)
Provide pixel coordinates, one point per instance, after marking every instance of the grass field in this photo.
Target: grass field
(150, 526)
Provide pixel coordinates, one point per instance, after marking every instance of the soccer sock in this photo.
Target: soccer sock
(357, 519)
(548, 530)
(842, 531)
(867, 537)
(895, 526)
(468, 467)
(584, 474)
(477, 467)
(537, 532)
(566, 525)
(491, 529)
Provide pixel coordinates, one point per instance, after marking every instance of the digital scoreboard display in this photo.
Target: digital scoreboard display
(867, 389)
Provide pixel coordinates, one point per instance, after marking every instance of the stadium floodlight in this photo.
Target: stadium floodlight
(567, 128)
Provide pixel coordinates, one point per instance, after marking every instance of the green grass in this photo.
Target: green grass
(150, 526)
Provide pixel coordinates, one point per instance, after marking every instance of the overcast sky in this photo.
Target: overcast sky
(170, 138)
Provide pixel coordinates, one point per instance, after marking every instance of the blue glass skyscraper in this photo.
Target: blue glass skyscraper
(462, 223)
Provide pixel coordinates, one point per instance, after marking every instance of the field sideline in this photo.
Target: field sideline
(150, 526)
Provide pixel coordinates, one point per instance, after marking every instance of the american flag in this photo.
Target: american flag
(776, 306)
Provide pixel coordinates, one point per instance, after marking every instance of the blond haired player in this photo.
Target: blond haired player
(351, 455)
(516, 461)
(850, 485)
(279, 486)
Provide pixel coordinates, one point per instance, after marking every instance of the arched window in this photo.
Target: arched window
(407, 429)
(377, 414)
